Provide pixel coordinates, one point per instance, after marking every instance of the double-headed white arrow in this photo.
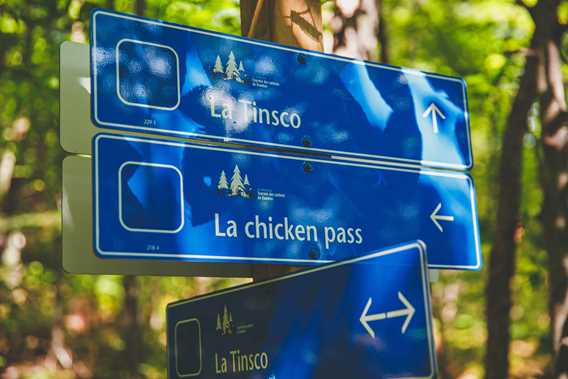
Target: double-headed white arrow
(435, 217)
(407, 311)
(435, 112)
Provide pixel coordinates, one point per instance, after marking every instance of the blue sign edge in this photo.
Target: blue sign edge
(376, 158)
(401, 248)
(221, 260)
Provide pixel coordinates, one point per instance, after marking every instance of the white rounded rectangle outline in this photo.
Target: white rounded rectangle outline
(144, 230)
(198, 372)
(117, 56)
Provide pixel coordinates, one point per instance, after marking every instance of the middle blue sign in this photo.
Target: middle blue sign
(172, 200)
(155, 77)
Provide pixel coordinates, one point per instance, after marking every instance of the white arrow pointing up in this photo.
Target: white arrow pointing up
(435, 217)
(408, 311)
(435, 112)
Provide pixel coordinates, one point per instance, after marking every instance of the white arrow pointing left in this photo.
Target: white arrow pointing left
(408, 312)
(436, 218)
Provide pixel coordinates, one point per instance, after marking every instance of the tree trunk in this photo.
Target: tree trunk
(140, 7)
(132, 328)
(502, 259)
(554, 179)
(542, 81)
(383, 33)
(290, 22)
(356, 29)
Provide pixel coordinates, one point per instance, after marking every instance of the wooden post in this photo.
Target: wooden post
(289, 22)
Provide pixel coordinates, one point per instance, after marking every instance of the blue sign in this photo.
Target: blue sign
(156, 77)
(368, 317)
(173, 200)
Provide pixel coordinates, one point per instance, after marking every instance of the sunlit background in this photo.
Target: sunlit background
(56, 325)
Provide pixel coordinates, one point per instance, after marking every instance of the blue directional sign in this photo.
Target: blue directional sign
(367, 317)
(156, 77)
(173, 200)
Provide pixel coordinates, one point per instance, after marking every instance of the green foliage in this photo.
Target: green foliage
(482, 41)
(218, 15)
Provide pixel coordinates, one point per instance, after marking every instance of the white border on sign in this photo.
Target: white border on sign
(117, 53)
(389, 160)
(296, 158)
(200, 348)
(423, 273)
(120, 213)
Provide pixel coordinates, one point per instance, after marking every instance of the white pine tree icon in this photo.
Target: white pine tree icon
(219, 327)
(236, 181)
(240, 72)
(223, 184)
(218, 65)
(231, 72)
(246, 187)
(227, 318)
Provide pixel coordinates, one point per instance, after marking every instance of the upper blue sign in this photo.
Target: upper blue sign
(334, 321)
(156, 77)
(173, 200)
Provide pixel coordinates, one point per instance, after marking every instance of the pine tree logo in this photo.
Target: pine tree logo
(218, 68)
(225, 322)
(223, 185)
(238, 186)
(247, 188)
(232, 71)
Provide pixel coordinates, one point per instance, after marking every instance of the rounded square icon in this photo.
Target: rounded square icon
(187, 345)
(150, 197)
(147, 75)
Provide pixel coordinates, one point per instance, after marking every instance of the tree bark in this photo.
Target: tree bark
(357, 29)
(383, 33)
(290, 22)
(132, 329)
(140, 7)
(503, 255)
(554, 179)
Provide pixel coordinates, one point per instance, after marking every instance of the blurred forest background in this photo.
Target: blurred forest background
(505, 321)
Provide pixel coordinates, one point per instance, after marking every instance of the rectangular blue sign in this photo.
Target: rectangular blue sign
(368, 317)
(173, 200)
(156, 77)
